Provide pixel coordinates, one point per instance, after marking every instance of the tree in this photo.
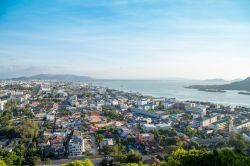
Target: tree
(119, 152)
(2, 163)
(238, 142)
(189, 131)
(134, 157)
(32, 155)
(48, 161)
(10, 158)
(99, 138)
(107, 150)
(85, 162)
(224, 157)
(29, 129)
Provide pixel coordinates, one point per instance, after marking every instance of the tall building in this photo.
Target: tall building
(76, 146)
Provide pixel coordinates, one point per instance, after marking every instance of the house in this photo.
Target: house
(142, 102)
(34, 104)
(146, 113)
(246, 136)
(106, 142)
(146, 138)
(204, 121)
(56, 139)
(76, 146)
(148, 127)
(220, 124)
(200, 111)
(148, 107)
(57, 150)
(239, 127)
(168, 105)
(50, 117)
(163, 126)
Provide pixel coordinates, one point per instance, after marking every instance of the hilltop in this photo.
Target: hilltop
(243, 85)
(59, 77)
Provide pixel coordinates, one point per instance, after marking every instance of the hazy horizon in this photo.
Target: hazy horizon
(140, 39)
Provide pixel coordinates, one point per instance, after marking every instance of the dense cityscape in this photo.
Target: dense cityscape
(57, 122)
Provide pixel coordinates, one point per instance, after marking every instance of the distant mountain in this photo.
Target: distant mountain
(216, 80)
(59, 77)
(243, 85)
(236, 80)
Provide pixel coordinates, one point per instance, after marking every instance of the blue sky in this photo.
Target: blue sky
(126, 39)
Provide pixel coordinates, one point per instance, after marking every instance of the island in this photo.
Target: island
(213, 90)
(239, 85)
(244, 93)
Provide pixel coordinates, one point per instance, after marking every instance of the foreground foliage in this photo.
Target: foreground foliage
(85, 162)
(224, 157)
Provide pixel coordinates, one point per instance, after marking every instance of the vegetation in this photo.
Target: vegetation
(113, 115)
(85, 162)
(189, 131)
(29, 129)
(224, 157)
(238, 142)
(2, 163)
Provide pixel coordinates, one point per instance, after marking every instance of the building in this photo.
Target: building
(106, 142)
(200, 111)
(146, 137)
(221, 124)
(2, 103)
(246, 136)
(148, 127)
(76, 146)
(168, 105)
(142, 102)
(149, 107)
(241, 126)
(163, 126)
(50, 117)
(146, 113)
(204, 122)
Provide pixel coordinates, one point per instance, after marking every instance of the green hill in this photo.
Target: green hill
(239, 85)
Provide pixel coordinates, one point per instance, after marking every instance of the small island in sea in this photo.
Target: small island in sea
(212, 90)
(244, 93)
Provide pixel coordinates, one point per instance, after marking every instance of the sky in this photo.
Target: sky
(126, 39)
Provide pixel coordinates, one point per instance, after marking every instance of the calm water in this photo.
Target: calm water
(175, 89)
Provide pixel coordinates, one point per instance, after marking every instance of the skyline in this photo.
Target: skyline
(126, 39)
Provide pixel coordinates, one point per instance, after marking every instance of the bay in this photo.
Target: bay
(176, 89)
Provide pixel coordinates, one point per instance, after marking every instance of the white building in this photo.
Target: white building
(142, 102)
(2, 103)
(106, 142)
(148, 127)
(200, 110)
(163, 126)
(76, 146)
(246, 136)
(50, 116)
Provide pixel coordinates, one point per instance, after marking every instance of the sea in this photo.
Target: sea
(176, 89)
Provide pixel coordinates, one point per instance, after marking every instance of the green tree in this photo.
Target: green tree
(85, 162)
(134, 157)
(99, 138)
(2, 163)
(189, 131)
(29, 129)
(238, 142)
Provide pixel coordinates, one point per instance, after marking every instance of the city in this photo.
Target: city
(124, 83)
(55, 122)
